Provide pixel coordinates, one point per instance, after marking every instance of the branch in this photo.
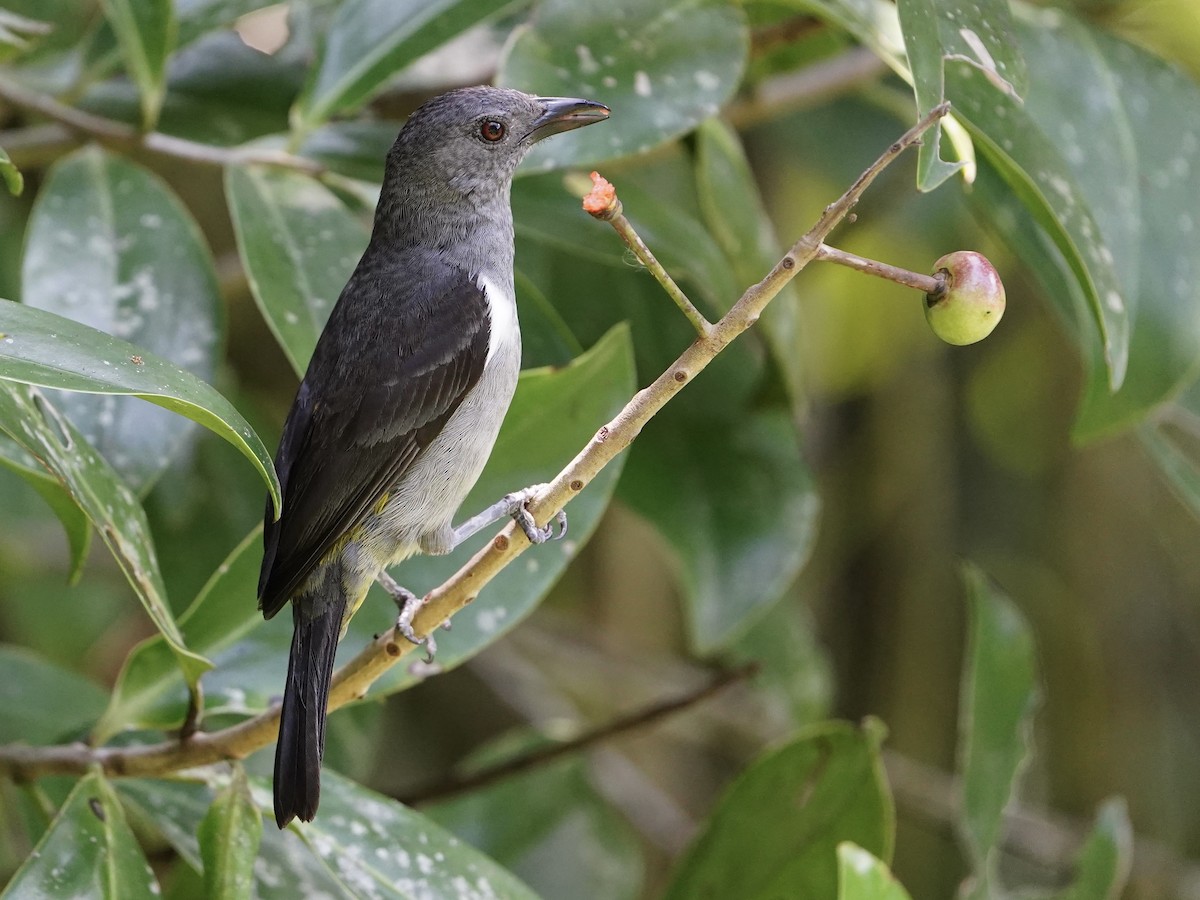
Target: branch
(547, 753)
(354, 679)
(124, 137)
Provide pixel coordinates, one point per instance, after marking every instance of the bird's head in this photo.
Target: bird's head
(469, 142)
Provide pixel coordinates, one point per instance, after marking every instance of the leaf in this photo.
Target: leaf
(739, 508)
(663, 66)
(1102, 869)
(1124, 201)
(299, 244)
(370, 40)
(43, 349)
(774, 832)
(11, 175)
(553, 414)
(41, 703)
(149, 693)
(361, 845)
(229, 839)
(998, 700)
(735, 214)
(146, 32)
(75, 523)
(937, 34)
(535, 822)
(43, 432)
(110, 246)
(88, 851)
(863, 877)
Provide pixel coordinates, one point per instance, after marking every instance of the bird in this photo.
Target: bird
(402, 400)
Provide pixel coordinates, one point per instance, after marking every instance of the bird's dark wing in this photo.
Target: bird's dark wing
(403, 346)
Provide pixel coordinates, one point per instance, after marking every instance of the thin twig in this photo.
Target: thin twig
(125, 137)
(926, 284)
(354, 679)
(641, 718)
(603, 204)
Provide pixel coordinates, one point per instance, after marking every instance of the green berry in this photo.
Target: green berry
(970, 301)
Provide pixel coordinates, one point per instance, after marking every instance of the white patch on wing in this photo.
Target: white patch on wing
(502, 309)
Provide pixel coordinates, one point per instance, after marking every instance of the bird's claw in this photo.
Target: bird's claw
(524, 518)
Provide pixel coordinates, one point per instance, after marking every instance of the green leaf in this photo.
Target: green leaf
(41, 703)
(998, 700)
(735, 214)
(362, 844)
(534, 824)
(229, 839)
(739, 507)
(299, 244)
(370, 40)
(43, 349)
(149, 693)
(43, 432)
(88, 851)
(937, 34)
(775, 830)
(110, 246)
(863, 877)
(554, 413)
(146, 32)
(1125, 203)
(11, 175)
(75, 523)
(663, 66)
(1102, 869)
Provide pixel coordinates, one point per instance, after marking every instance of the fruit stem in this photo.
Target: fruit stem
(927, 284)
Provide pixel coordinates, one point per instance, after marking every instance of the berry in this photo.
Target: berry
(970, 301)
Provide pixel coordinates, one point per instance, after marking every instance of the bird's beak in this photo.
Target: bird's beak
(565, 113)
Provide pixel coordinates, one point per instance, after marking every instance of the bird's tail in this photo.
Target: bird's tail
(318, 625)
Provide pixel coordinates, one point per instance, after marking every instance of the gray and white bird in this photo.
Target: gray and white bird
(403, 397)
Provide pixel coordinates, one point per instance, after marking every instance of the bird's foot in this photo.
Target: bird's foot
(409, 605)
(515, 505)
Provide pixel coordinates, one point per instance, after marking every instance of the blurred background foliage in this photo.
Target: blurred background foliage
(806, 504)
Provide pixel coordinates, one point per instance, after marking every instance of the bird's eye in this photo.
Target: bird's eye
(491, 130)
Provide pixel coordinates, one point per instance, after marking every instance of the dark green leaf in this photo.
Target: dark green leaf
(738, 506)
(88, 851)
(41, 703)
(553, 414)
(939, 33)
(863, 877)
(299, 244)
(534, 824)
(735, 214)
(11, 175)
(41, 348)
(75, 523)
(775, 831)
(229, 839)
(998, 699)
(146, 32)
(43, 432)
(663, 66)
(110, 246)
(370, 40)
(356, 148)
